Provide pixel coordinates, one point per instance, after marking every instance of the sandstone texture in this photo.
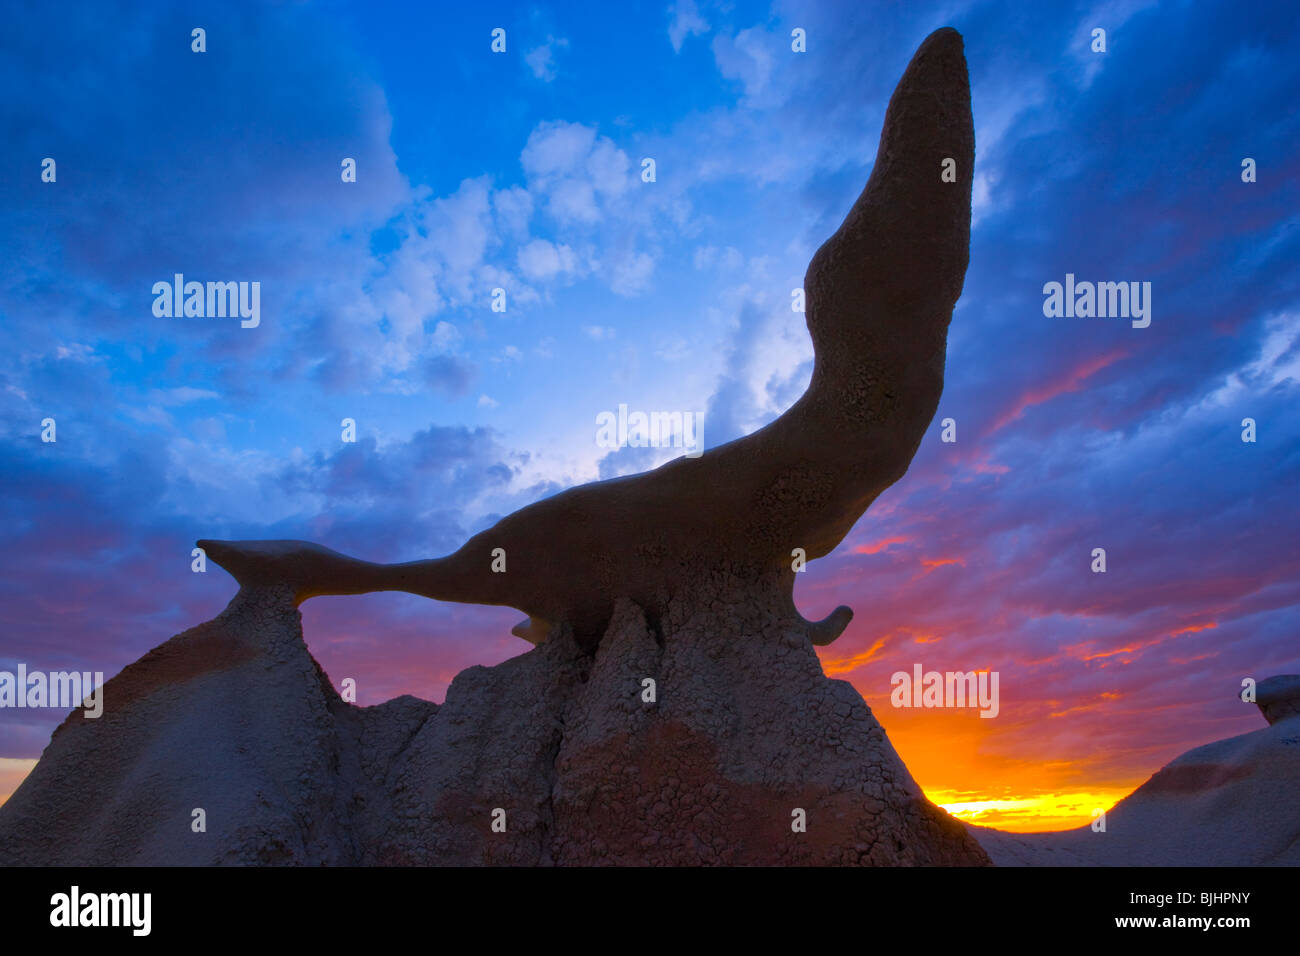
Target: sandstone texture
(236, 718)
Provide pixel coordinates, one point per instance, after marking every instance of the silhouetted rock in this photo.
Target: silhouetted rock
(879, 298)
(232, 717)
(236, 718)
(1278, 697)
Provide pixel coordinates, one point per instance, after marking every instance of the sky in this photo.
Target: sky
(522, 170)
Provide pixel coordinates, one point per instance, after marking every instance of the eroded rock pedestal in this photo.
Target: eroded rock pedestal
(236, 718)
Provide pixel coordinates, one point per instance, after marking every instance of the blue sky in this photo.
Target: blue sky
(521, 171)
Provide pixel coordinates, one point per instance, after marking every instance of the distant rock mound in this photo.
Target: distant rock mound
(1229, 803)
(1278, 698)
(559, 745)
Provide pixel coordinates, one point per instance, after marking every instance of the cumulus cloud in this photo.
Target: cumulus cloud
(578, 172)
(542, 260)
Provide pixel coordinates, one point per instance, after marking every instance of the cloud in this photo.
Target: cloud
(414, 495)
(632, 460)
(711, 257)
(578, 172)
(686, 21)
(1276, 364)
(749, 58)
(674, 349)
(542, 260)
(513, 208)
(449, 374)
(631, 274)
(1110, 16)
(767, 368)
(179, 207)
(541, 59)
(180, 395)
(1070, 381)
(76, 351)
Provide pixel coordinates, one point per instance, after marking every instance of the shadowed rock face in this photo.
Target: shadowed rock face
(678, 579)
(879, 297)
(1279, 697)
(235, 717)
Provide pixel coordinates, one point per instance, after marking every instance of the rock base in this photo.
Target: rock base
(701, 738)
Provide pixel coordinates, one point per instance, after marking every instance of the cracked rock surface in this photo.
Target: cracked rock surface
(236, 718)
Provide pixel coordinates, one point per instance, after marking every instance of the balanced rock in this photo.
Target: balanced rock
(880, 294)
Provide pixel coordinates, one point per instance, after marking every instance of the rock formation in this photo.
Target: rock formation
(673, 710)
(235, 718)
(1278, 697)
(879, 297)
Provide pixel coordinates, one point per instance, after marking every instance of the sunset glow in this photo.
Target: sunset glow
(1032, 814)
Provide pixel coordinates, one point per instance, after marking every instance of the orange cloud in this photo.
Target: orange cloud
(881, 545)
(932, 563)
(1142, 645)
(844, 665)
